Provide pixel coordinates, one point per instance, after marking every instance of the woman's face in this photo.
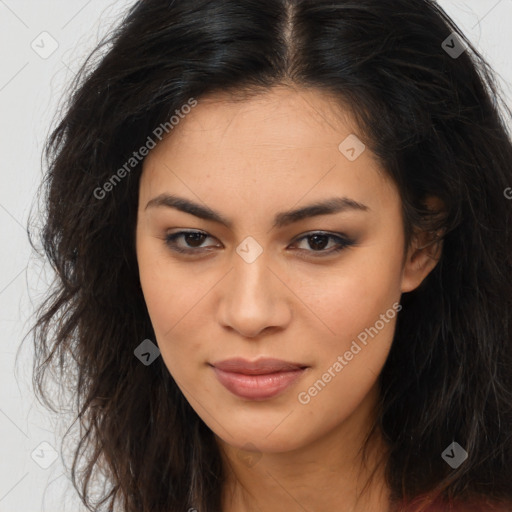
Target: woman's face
(259, 287)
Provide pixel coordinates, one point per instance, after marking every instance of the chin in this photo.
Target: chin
(264, 438)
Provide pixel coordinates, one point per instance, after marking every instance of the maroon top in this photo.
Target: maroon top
(482, 505)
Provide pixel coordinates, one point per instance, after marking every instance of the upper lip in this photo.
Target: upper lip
(259, 367)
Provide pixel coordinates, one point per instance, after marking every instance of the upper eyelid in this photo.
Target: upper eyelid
(305, 233)
(297, 238)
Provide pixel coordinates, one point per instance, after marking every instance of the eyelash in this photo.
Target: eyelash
(343, 243)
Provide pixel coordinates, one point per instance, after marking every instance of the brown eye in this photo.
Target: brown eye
(191, 239)
(319, 241)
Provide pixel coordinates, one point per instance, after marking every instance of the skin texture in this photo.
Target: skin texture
(250, 160)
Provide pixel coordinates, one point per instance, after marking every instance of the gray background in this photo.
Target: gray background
(31, 86)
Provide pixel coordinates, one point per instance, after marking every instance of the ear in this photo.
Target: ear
(424, 252)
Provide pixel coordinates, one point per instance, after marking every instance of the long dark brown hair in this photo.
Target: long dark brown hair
(427, 104)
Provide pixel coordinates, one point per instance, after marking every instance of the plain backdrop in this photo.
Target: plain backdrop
(42, 44)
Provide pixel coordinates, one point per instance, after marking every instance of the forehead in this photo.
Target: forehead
(279, 119)
(282, 145)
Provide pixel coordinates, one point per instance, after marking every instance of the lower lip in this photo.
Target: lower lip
(257, 387)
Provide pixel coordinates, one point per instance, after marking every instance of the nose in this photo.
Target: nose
(254, 298)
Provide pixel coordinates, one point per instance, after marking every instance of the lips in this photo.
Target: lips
(259, 367)
(257, 380)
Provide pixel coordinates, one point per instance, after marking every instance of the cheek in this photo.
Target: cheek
(359, 305)
(361, 313)
(355, 296)
(174, 296)
(361, 328)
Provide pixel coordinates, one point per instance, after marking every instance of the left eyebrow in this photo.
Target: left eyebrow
(282, 219)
